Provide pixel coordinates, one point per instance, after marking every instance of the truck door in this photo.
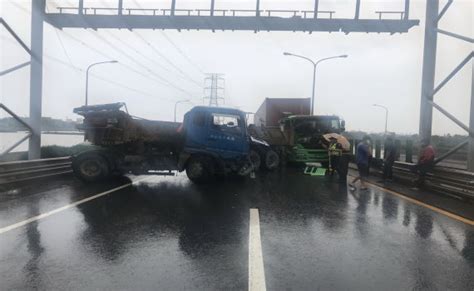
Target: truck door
(227, 135)
(197, 127)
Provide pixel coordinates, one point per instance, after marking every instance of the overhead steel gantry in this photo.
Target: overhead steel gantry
(192, 19)
(218, 19)
(428, 90)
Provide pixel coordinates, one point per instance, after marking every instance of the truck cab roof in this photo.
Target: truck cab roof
(311, 117)
(221, 110)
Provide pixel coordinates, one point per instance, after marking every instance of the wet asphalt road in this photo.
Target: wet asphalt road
(165, 233)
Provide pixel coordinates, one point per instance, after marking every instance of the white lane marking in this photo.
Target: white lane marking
(256, 269)
(60, 209)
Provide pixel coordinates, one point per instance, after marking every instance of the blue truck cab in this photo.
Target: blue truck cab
(215, 141)
(211, 141)
(220, 131)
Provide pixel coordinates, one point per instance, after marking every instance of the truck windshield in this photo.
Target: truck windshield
(317, 126)
(227, 123)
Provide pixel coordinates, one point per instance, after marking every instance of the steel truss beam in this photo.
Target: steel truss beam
(22, 122)
(15, 36)
(453, 73)
(470, 158)
(455, 35)
(443, 11)
(36, 77)
(450, 116)
(248, 23)
(452, 151)
(428, 89)
(17, 67)
(34, 58)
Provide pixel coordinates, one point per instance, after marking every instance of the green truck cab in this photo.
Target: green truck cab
(287, 126)
(304, 136)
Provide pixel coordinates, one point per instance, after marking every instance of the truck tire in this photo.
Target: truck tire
(255, 159)
(272, 160)
(91, 167)
(199, 170)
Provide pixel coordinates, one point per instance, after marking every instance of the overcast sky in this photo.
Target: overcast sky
(381, 68)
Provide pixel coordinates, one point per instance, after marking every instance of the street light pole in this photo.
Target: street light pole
(87, 77)
(386, 116)
(315, 65)
(176, 106)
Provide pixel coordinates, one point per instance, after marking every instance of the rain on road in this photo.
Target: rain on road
(166, 233)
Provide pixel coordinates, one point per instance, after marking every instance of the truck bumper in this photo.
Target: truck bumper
(303, 155)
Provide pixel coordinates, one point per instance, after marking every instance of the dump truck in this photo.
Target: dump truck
(296, 136)
(210, 142)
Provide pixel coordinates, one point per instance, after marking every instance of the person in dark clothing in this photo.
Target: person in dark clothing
(390, 158)
(334, 155)
(343, 166)
(426, 162)
(339, 160)
(371, 150)
(362, 160)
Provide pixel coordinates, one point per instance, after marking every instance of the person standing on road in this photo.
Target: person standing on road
(371, 150)
(334, 155)
(389, 159)
(425, 161)
(343, 166)
(362, 160)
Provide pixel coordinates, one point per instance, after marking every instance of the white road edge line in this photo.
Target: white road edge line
(60, 209)
(256, 269)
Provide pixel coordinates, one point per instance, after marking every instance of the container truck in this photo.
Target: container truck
(285, 124)
(210, 142)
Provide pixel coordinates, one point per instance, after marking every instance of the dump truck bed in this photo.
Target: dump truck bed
(106, 125)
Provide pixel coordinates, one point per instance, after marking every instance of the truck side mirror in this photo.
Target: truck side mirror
(343, 125)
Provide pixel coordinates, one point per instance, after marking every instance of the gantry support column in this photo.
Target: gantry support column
(173, 7)
(213, 4)
(357, 12)
(81, 7)
(407, 10)
(316, 8)
(120, 7)
(36, 77)
(470, 161)
(429, 66)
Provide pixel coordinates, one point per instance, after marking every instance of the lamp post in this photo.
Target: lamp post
(87, 77)
(386, 115)
(176, 106)
(315, 65)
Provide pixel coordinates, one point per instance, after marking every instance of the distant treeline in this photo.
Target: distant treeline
(9, 124)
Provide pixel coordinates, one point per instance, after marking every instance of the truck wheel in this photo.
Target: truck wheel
(199, 170)
(91, 167)
(255, 159)
(272, 160)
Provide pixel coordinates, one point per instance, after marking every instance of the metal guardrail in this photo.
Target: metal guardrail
(443, 180)
(18, 171)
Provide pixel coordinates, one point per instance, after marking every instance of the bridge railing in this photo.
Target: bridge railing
(305, 14)
(19, 171)
(447, 178)
(444, 180)
(381, 13)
